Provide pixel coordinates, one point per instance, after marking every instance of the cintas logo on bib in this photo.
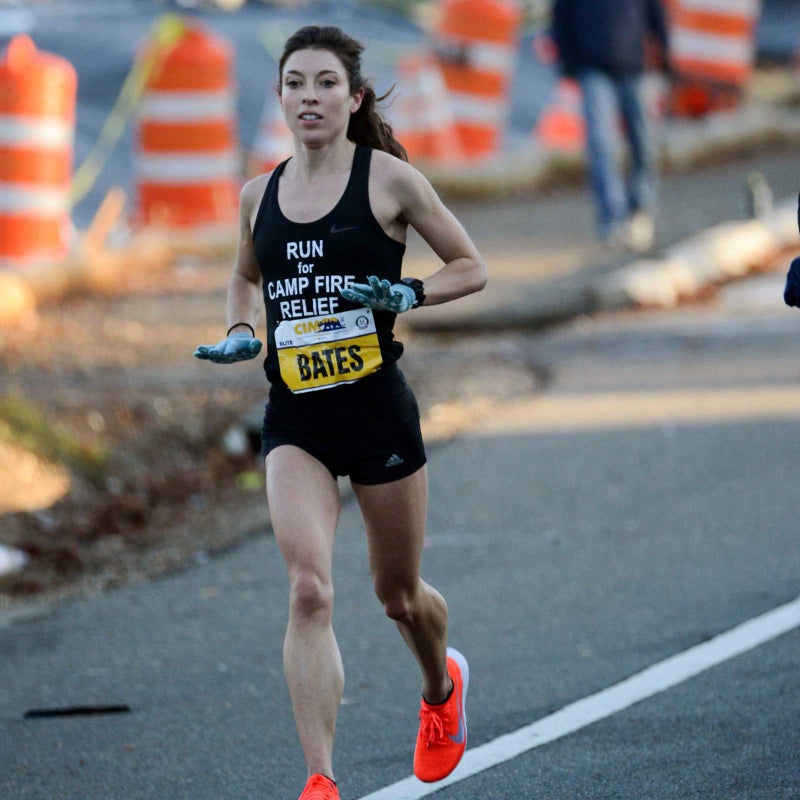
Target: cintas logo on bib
(324, 324)
(321, 352)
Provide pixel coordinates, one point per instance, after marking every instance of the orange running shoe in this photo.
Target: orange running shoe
(442, 736)
(320, 788)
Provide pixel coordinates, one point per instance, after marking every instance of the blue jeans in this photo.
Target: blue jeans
(604, 99)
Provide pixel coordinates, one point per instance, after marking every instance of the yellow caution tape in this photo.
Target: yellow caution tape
(166, 31)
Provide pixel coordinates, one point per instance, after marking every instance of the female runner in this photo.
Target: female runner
(321, 240)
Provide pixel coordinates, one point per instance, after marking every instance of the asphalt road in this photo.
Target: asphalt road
(575, 547)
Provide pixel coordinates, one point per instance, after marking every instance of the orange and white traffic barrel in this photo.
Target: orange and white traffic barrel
(37, 131)
(712, 45)
(422, 116)
(476, 44)
(274, 141)
(187, 160)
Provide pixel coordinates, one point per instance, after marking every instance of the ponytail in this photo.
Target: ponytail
(367, 125)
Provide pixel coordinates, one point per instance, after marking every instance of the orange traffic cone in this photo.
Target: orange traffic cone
(561, 126)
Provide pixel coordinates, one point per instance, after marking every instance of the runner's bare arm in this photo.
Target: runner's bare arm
(464, 270)
(244, 289)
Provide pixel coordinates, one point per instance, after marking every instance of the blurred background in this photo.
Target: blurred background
(102, 39)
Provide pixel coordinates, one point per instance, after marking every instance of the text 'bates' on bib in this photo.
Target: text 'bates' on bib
(320, 352)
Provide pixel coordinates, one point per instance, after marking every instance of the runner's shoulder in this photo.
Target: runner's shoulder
(398, 176)
(252, 192)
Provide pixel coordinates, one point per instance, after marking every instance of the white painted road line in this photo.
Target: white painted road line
(651, 681)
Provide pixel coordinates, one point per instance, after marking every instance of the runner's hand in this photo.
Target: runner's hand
(791, 294)
(381, 295)
(233, 348)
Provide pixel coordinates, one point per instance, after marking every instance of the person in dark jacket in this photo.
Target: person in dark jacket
(791, 293)
(601, 44)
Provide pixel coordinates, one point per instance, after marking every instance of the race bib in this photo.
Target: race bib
(319, 352)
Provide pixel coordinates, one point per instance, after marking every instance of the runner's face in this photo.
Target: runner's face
(315, 95)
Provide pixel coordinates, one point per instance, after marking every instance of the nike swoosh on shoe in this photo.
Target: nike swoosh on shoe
(459, 737)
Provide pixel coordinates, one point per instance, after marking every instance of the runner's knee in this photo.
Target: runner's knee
(400, 601)
(311, 595)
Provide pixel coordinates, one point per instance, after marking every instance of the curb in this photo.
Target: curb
(721, 253)
(102, 270)
(724, 252)
(690, 143)
(684, 144)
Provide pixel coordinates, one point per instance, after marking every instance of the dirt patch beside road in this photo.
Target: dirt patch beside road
(113, 379)
(116, 377)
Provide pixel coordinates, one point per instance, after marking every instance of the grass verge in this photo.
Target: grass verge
(23, 424)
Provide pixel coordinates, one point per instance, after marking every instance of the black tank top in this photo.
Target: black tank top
(315, 338)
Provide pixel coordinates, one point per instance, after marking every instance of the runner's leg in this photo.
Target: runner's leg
(394, 515)
(304, 510)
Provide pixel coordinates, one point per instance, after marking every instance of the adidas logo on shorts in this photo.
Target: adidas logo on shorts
(394, 461)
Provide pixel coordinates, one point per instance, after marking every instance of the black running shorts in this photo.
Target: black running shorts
(368, 430)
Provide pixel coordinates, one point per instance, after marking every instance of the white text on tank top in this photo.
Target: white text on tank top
(319, 344)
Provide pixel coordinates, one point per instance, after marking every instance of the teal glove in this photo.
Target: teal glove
(381, 295)
(233, 348)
